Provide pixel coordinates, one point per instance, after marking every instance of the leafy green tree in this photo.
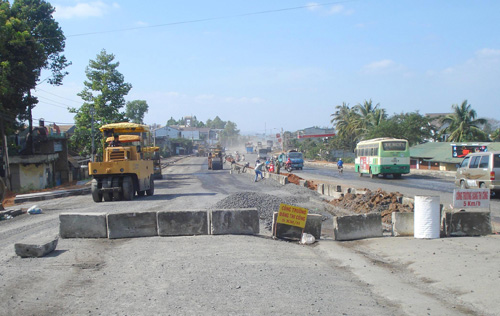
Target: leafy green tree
(412, 126)
(369, 116)
(463, 124)
(346, 122)
(135, 110)
(495, 136)
(30, 41)
(216, 123)
(171, 122)
(230, 133)
(104, 92)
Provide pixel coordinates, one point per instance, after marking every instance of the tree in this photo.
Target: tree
(171, 122)
(230, 132)
(346, 120)
(495, 136)
(217, 123)
(463, 125)
(369, 116)
(104, 92)
(30, 41)
(412, 126)
(134, 110)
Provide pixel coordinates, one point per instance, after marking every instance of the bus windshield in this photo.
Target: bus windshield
(295, 155)
(394, 146)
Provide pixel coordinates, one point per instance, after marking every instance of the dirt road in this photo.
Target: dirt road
(241, 275)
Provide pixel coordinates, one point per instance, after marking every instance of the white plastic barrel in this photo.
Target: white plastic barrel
(427, 217)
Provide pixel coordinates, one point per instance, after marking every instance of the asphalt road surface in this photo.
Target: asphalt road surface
(236, 275)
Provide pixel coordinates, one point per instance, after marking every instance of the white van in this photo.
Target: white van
(480, 170)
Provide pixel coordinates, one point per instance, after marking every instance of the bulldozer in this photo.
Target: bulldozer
(126, 168)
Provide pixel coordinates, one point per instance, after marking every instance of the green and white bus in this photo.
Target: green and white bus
(382, 156)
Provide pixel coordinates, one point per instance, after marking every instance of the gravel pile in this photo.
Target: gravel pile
(266, 204)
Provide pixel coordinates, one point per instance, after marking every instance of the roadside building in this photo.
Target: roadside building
(443, 156)
(41, 163)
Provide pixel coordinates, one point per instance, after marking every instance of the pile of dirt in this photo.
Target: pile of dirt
(374, 201)
(11, 196)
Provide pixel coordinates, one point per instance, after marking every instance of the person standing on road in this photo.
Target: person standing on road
(258, 170)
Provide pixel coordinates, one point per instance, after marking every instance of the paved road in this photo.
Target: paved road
(210, 275)
(238, 275)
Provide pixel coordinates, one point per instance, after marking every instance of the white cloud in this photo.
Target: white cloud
(328, 10)
(141, 23)
(84, 10)
(313, 6)
(382, 66)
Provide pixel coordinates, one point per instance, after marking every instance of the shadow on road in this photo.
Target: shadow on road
(163, 197)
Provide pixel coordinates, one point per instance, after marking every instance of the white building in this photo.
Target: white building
(167, 132)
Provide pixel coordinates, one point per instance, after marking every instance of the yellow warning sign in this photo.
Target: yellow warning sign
(292, 215)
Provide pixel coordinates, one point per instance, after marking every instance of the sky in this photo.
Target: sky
(272, 65)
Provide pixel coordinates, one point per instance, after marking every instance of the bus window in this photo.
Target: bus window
(376, 151)
(394, 146)
(371, 151)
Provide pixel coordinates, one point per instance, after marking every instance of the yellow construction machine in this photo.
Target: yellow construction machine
(127, 165)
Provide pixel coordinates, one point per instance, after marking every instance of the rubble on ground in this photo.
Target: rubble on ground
(378, 201)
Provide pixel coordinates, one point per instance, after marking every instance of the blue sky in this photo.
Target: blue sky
(284, 69)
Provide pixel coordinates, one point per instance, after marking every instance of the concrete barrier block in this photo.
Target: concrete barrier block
(467, 224)
(402, 224)
(83, 225)
(303, 183)
(313, 227)
(350, 190)
(37, 248)
(321, 188)
(357, 226)
(234, 222)
(182, 223)
(128, 225)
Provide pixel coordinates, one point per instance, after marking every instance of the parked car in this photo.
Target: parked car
(480, 170)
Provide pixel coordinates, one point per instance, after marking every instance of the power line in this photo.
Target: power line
(53, 122)
(312, 5)
(58, 95)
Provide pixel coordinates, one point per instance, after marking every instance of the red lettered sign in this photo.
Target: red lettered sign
(471, 198)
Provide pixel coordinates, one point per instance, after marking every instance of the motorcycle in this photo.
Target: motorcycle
(288, 167)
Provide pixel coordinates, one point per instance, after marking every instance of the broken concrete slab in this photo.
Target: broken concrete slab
(234, 221)
(83, 225)
(135, 224)
(40, 248)
(467, 224)
(357, 226)
(402, 224)
(313, 227)
(183, 223)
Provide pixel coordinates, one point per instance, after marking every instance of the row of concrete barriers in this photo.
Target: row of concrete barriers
(161, 223)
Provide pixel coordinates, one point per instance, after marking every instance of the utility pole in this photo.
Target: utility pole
(92, 133)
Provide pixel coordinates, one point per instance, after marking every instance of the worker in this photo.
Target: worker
(116, 141)
(209, 161)
(258, 170)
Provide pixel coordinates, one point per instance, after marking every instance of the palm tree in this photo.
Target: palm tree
(463, 125)
(369, 116)
(495, 136)
(346, 120)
